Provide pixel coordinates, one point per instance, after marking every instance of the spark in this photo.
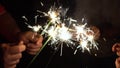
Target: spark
(24, 17)
(41, 4)
(54, 17)
(35, 28)
(53, 14)
(85, 37)
(59, 33)
(36, 18)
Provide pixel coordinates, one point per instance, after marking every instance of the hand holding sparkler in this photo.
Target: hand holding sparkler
(116, 48)
(12, 54)
(96, 32)
(33, 41)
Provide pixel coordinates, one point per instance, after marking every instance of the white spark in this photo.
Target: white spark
(85, 37)
(35, 28)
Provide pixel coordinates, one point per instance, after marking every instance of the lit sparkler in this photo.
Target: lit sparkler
(58, 33)
(85, 37)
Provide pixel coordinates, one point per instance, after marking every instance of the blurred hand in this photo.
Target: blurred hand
(12, 54)
(96, 32)
(116, 48)
(117, 62)
(33, 41)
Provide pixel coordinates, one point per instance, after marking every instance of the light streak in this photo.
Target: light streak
(41, 4)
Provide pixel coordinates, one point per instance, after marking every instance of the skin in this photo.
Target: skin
(117, 62)
(116, 48)
(12, 54)
(96, 32)
(33, 42)
(10, 31)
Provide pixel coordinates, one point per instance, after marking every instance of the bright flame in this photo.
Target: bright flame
(53, 16)
(35, 28)
(85, 37)
(60, 33)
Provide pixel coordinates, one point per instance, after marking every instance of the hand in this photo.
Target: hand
(33, 41)
(96, 32)
(117, 62)
(116, 48)
(12, 54)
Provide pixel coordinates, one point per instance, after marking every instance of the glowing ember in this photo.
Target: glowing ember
(35, 28)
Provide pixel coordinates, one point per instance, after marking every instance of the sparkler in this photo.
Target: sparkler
(85, 37)
(58, 33)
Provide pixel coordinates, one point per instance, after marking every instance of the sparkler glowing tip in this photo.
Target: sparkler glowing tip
(35, 28)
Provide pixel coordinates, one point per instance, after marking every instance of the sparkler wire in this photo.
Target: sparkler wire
(46, 28)
(39, 52)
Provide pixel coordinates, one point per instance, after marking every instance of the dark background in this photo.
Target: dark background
(104, 14)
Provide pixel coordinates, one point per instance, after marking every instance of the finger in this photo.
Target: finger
(113, 47)
(34, 46)
(9, 66)
(118, 59)
(116, 47)
(36, 38)
(29, 35)
(33, 50)
(12, 62)
(23, 38)
(17, 49)
(9, 58)
(26, 36)
(39, 41)
(32, 53)
(96, 32)
(117, 62)
(118, 53)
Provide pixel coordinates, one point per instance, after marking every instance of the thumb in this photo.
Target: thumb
(21, 43)
(22, 46)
